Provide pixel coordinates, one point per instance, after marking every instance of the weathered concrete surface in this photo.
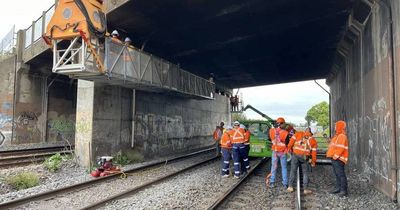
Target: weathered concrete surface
(44, 109)
(363, 91)
(7, 69)
(167, 124)
(164, 124)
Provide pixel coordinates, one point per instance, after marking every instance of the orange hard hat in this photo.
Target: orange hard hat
(280, 120)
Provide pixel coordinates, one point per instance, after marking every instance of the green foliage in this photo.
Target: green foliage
(319, 114)
(121, 159)
(53, 163)
(135, 156)
(23, 180)
(238, 117)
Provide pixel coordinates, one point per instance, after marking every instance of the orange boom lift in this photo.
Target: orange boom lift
(75, 33)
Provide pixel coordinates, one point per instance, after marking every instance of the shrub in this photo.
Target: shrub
(23, 180)
(135, 156)
(121, 159)
(53, 163)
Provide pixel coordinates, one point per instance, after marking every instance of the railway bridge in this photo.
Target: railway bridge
(169, 105)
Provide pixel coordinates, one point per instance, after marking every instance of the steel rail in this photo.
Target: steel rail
(54, 193)
(146, 185)
(5, 153)
(27, 159)
(298, 198)
(227, 194)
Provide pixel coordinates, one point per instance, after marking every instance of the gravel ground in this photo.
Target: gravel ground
(362, 195)
(83, 197)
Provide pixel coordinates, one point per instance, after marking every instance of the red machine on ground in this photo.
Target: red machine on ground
(105, 168)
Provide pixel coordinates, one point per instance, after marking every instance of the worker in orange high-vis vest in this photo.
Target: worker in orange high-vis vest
(238, 148)
(304, 149)
(339, 152)
(226, 150)
(247, 149)
(278, 136)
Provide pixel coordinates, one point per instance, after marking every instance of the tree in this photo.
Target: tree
(238, 117)
(319, 114)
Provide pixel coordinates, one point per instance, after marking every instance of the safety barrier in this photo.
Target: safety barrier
(34, 32)
(133, 66)
(7, 44)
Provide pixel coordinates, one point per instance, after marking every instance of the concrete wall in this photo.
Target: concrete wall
(167, 124)
(363, 90)
(44, 109)
(164, 124)
(7, 69)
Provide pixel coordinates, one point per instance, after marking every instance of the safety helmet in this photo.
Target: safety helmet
(115, 33)
(236, 123)
(127, 39)
(242, 126)
(280, 120)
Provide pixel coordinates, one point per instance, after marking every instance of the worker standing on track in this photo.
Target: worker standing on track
(219, 130)
(226, 149)
(278, 137)
(338, 151)
(304, 148)
(238, 148)
(247, 148)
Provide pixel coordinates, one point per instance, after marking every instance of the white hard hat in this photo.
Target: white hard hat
(127, 39)
(242, 126)
(115, 33)
(236, 123)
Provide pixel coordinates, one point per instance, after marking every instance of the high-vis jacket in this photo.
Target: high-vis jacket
(247, 137)
(303, 144)
(278, 138)
(338, 147)
(226, 141)
(237, 135)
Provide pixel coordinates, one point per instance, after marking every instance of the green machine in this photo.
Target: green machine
(260, 145)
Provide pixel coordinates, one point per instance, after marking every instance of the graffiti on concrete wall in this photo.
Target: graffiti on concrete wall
(27, 127)
(379, 133)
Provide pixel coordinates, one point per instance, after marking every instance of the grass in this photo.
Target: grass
(53, 163)
(23, 180)
(131, 156)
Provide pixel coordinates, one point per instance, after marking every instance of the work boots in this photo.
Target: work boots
(335, 191)
(307, 192)
(342, 194)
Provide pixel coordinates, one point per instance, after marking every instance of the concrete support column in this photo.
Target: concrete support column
(84, 122)
(103, 121)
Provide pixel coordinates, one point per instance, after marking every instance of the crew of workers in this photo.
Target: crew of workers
(234, 143)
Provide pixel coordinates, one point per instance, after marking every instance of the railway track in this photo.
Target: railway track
(94, 185)
(29, 156)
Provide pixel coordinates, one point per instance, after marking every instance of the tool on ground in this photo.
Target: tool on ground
(106, 167)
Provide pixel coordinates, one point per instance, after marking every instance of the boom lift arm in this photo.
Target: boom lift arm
(258, 112)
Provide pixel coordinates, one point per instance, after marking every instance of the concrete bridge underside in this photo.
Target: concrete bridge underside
(355, 45)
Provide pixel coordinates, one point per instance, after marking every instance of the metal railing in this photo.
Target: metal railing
(133, 65)
(34, 32)
(7, 44)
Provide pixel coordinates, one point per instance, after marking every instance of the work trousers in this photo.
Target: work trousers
(247, 149)
(298, 161)
(341, 179)
(226, 157)
(281, 156)
(239, 154)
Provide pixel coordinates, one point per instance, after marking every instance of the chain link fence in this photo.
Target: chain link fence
(7, 44)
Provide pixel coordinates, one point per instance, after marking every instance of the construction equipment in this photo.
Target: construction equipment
(76, 33)
(105, 168)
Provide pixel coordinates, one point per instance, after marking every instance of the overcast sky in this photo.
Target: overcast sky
(21, 13)
(292, 102)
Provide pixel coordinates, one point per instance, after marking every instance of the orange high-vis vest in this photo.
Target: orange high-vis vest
(278, 137)
(301, 145)
(247, 137)
(226, 141)
(237, 135)
(338, 148)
